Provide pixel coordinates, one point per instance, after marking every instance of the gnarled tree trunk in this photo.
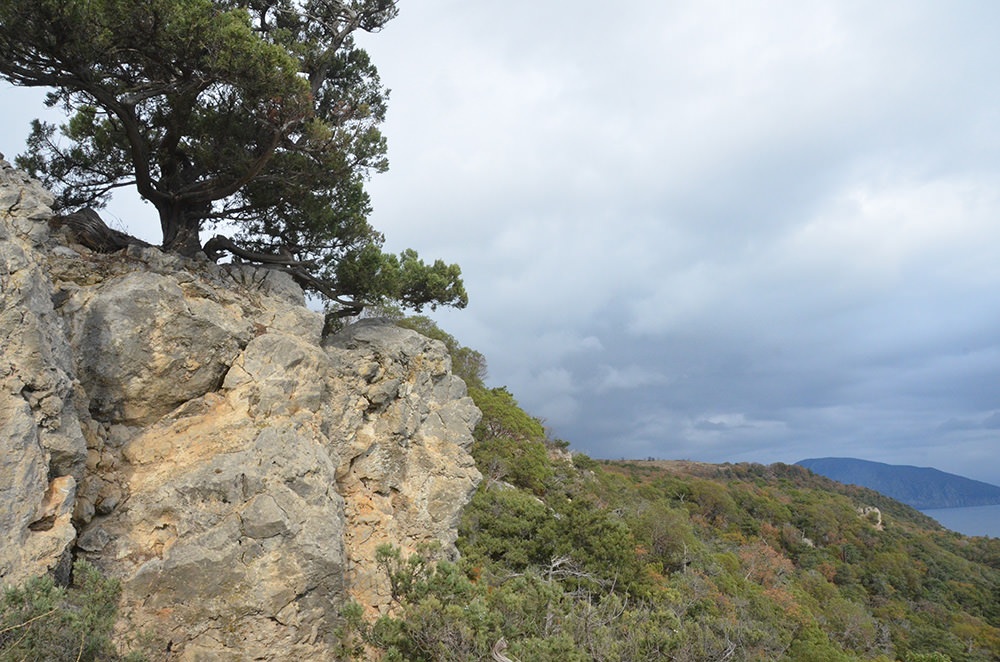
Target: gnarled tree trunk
(86, 227)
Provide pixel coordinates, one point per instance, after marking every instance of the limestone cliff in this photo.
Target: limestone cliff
(184, 426)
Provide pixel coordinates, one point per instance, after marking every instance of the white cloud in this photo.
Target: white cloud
(669, 213)
(627, 377)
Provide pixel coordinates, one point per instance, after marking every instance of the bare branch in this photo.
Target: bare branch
(497, 651)
(220, 243)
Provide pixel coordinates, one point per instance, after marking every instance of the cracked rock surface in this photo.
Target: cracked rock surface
(184, 426)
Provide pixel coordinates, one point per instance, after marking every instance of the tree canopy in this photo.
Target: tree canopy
(262, 115)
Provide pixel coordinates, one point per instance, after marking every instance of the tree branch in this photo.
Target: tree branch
(497, 651)
(290, 265)
(220, 243)
(87, 228)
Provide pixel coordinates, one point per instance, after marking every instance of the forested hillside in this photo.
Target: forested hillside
(920, 487)
(568, 558)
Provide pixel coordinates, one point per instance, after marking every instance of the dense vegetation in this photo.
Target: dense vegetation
(565, 558)
(44, 621)
(568, 558)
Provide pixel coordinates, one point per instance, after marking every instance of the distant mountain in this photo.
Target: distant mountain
(920, 487)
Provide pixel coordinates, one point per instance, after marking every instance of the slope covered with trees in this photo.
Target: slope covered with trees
(568, 558)
(920, 487)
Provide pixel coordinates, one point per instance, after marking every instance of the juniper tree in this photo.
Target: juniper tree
(262, 115)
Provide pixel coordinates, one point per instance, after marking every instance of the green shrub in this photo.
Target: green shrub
(502, 417)
(520, 462)
(43, 621)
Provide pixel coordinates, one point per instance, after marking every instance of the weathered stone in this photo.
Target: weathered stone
(26, 204)
(52, 530)
(40, 431)
(282, 371)
(94, 539)
(262, 518)
(235, 472)
(23, 470)
(143, 347)
(108, 499)
(408, 462)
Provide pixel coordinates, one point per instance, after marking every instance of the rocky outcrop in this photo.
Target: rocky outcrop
(873, 515)
(41, 439)
(184, 426)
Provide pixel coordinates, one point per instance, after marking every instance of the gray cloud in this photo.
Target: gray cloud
(786, 216)
(722, 232)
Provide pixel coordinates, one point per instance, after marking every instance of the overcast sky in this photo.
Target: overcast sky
(719, 231)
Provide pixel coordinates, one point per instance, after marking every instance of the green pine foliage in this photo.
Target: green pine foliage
(43, 621)
(259, 116)
(503, 418)
(576, 559)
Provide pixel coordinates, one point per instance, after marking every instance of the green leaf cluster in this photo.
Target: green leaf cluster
(503, 418)
(43, 621)
(256, 115)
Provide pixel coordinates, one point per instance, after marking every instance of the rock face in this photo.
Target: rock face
(185, 427)
(41, 435)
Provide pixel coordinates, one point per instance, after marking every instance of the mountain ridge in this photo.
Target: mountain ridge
(919, 487)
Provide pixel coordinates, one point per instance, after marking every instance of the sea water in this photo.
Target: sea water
(971, 521)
